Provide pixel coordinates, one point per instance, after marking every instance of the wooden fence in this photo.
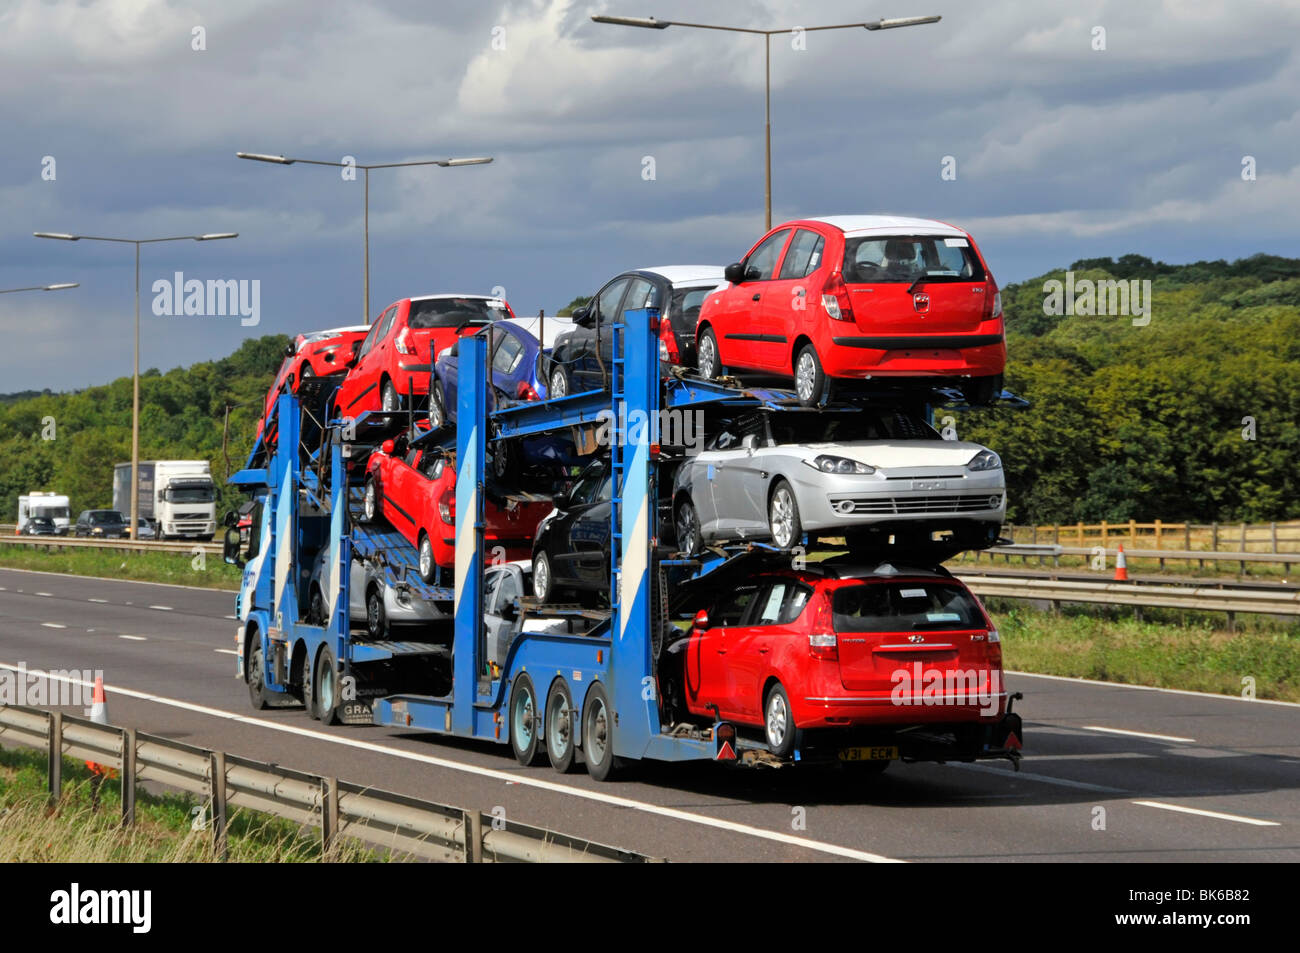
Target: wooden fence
(1210, 537)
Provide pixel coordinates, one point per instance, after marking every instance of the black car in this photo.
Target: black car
(676, 290)
(104, 524)
(571, 548)
(40, 526)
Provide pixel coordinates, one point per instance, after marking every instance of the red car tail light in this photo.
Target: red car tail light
(992, 300)
(995, 647)
(668, 344)
(401, 343)
(526, 391)
(447, 507)
(835, 298)
(824, 647)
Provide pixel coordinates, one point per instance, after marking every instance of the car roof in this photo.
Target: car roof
(888, 224)
(685, 274)
(843, 567)
(435, 297)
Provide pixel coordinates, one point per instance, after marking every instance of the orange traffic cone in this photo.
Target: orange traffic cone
(98, 705)
(1121, 565)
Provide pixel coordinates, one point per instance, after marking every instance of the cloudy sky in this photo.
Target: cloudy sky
(1062, 150)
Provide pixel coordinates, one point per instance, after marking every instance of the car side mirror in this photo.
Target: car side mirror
(386, 447)
(750, 443)
(561, 501)
(510, 612)
(735, 272)
(289, 350)
(230, 548)
(702, 619)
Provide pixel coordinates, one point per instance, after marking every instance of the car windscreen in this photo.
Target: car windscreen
(191, 494)
(107, 516)
(452, 312)
(797, 427)
(905, 607)
(877, 260)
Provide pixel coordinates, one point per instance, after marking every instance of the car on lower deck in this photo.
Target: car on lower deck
(859, 298)
(776, 476)
(581, 357)
(372, 601)
(848, 656)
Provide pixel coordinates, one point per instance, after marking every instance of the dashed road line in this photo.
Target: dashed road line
(1217, 815)
(1139, 734)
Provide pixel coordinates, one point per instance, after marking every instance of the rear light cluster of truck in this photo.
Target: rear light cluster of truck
(835, 298)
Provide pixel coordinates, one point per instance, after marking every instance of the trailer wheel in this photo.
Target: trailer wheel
(778, 722)
(559, 727)
(257, 675)
(326, 701)
(598, 735)
(525, 722)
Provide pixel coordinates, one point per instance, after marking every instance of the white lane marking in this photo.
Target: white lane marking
(53, 625)
(225, 651)
(1139, 734)
(162, 608)
(563, 789)
(104, 601)
(128, 582)
(1043, 778)
(134, 638)
(1214, 814)
(231, 617)
(1153, 688)
(47, 595)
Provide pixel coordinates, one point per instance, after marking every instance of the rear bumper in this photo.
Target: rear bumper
(850, 710)
(1001, 738)
(848, 354)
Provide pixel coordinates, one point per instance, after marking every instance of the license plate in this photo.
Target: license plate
(869, 754)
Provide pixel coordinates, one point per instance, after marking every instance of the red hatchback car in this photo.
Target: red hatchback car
(314, 354)
(867, 653)
(859, 298)
(416, 492)
(397, 354)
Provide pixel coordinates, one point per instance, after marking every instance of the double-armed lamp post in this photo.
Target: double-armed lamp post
(650, 23)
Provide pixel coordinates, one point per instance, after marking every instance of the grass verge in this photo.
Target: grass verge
(177, 568)
(1165, 648)
(83, 829)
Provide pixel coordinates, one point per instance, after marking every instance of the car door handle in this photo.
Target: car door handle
(756, 297)
(764, 650)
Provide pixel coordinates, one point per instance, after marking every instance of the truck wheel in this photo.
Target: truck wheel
(257, 676)
(783, 517)
(326, 685)
(598, 735)
(559, 727)
(707, 360)
(308, 678)
(370, 504)
(778, 722)
(525, 722)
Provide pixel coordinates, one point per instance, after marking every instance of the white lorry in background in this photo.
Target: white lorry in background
(177, 497)
(51, 505)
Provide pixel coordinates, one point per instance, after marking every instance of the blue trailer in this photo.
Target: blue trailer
(554, 693)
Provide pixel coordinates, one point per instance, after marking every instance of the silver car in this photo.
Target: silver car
(371, 600)
(778, 475)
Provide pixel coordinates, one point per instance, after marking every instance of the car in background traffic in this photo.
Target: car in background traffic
(396, 357)
(312, 354)
(41, 526)
(776, 476)
(145, 529)
(854, 298)
(415, 491)
(581, 357)
(852, 652)
(104, 524)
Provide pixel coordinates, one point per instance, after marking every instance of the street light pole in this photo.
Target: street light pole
(69, 284)
(444, 163)
(650, 23)
(135, 366)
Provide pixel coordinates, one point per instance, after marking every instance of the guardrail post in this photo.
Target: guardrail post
(473, 837)
(128, 777)
(1214, 537)
(329, 814)
(55, 773)
(217, 785)
(1273, 529)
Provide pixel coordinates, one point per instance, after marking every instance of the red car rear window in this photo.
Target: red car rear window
(905, 607)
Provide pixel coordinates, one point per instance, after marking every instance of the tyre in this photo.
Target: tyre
(559, 727)
(706, 359)
(257, 691)
(428, 568)
(543, 581)
(687, 521)
(525, 722)
(437, 410)
(376, 617)
(809, 378)
(391, 400)
(981, 391)
(316, 607)
(557, 385)
(783, 517)
(778, 722)
(598, 735)
(326, 688)
(308, 689)
(370, 502)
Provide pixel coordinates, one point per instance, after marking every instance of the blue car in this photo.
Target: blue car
(513, 354)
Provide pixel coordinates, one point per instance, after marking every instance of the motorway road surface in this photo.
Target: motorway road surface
(1181, 776)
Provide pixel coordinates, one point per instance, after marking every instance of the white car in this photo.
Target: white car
(780, 475)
